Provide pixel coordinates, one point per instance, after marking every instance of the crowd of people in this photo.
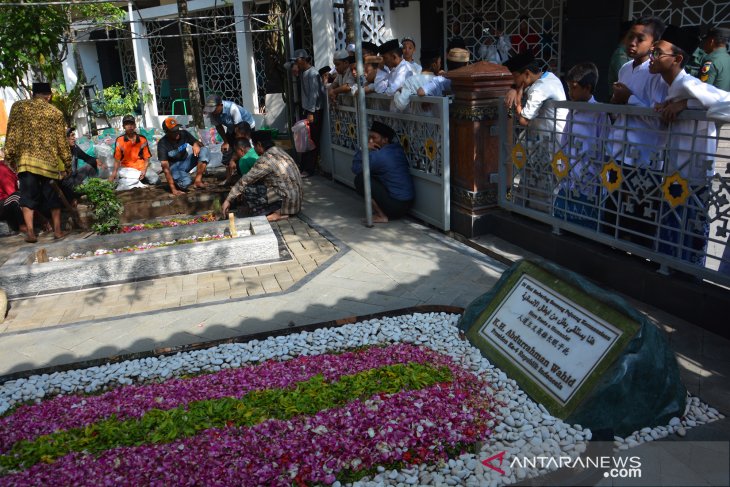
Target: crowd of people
(648, 69)
(654, 76)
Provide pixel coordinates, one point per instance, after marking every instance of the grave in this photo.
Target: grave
(21, 276)
(582, 352)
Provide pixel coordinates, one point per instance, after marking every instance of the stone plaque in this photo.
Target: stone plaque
(550, 336)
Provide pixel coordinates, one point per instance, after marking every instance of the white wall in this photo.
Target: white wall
(407, 22)
(90, 60)
(323, 32)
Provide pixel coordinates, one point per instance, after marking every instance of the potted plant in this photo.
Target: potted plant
(69, 102)
(118, 101)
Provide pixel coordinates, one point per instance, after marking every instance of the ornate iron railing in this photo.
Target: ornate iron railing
(423, 131)
(621, 176)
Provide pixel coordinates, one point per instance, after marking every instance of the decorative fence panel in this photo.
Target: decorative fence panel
(685, 13)
(423, 131)
(528, 25)
(218, 53)
(373, 22)
(657, 190)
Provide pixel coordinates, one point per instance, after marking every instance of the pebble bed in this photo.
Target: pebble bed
(521, 427)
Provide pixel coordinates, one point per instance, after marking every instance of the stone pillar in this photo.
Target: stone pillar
(246, 65)
(478, 92)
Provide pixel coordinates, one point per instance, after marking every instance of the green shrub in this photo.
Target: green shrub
(103, 199)
(117, 101)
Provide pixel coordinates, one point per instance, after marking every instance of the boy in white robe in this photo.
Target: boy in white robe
(427, 83)
(630, 213)
(543, 124)
(579, 192)
(690, 159)
(400, 69)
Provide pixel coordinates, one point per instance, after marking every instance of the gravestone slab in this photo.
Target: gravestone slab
(20, 276)
(582, 352)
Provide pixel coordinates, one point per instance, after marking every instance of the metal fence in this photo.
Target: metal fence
(621, 176)
(423, 131)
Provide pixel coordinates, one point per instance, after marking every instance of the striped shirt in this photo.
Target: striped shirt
(279, 173)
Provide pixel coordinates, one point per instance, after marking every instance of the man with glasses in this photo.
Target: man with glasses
(684, 228)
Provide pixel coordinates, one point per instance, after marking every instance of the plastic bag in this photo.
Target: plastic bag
(151, 175)
(105, 154)
(302, 140)
(86, 145)
(129, 178)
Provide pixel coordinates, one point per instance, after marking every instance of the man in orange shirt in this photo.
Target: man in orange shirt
(132, 150)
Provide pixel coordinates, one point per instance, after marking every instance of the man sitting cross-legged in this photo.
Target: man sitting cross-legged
(178, 153)
(272, 187)
(391, 183)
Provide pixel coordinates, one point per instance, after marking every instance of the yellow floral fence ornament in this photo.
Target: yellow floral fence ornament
(560, 164)
(519, 156)
(669, 187)
(351, 130)
(405, 142)
(338, 128)
(609, 181)
(430, 149)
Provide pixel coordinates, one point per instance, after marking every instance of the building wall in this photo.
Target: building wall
(407, 22)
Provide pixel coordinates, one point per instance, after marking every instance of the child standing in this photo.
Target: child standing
(427, 83)
(689, 158)
(408, 46)
(579, 193)
(536, 87)
(637, 140)
(544, 126)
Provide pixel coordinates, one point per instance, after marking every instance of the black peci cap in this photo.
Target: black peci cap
(389, 46)
(261, 136)
(687, 39)
(384, 130)
(519, 62)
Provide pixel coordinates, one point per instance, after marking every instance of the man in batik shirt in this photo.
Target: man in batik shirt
(273, 186)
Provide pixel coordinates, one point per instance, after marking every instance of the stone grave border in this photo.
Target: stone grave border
(21, 279)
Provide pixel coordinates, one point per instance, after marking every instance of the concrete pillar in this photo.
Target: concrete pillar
(323, 32)
(246, 65)
(143, 66)
(323, 42)
(473, 116)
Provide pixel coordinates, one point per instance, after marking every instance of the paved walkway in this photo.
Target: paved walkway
(392, 266)
(307, 250)
(398, 265)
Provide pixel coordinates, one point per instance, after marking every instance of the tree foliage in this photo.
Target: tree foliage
(35, 38)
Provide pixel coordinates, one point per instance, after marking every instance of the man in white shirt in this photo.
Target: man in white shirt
(400, 69)
(536, 86)
(543, 123)
(343, 81)
(691, 149)
(637, 140)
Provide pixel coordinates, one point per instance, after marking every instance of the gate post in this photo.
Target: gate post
(473, 119)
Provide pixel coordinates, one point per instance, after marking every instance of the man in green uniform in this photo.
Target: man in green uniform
(618, 58)
(695, 62)
(715, 68)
